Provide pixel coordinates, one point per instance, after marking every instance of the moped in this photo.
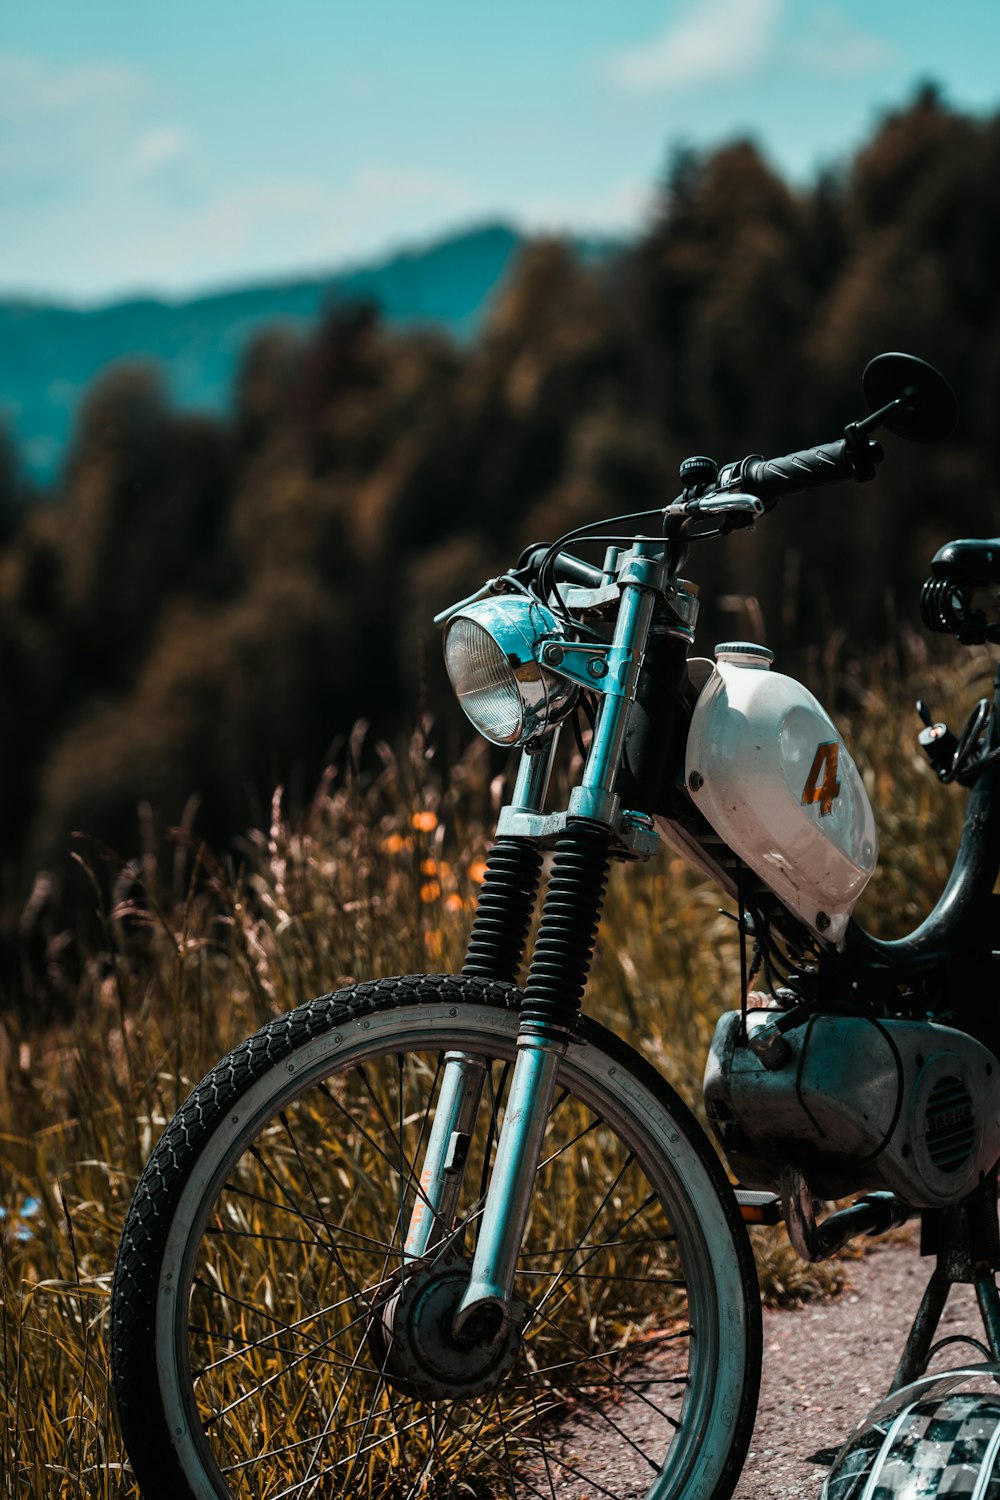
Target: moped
(440, 1234)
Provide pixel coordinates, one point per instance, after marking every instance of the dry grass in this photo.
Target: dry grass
(378, 877)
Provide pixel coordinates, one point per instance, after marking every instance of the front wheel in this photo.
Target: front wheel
(258, 1348)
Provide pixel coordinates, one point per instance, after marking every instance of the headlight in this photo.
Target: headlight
(491, 651)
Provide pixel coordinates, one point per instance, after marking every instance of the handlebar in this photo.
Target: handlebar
(750, 486)
(808, 469)
(565, 566)
(753, 479)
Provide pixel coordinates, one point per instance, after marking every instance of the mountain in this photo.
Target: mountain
(49, 353)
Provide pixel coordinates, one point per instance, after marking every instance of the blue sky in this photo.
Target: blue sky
(178, 146)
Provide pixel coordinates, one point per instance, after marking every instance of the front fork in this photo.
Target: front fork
(444, 1163)
(555, 984)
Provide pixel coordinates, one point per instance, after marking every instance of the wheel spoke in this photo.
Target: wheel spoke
(649, 1239)
(412, 1178)
(561, 1279)
(545, 1455)
(560, 1274)
(602, 1354)
(297, 1488)
(342, 1229)
(616, 1379)
(497, 1097)
(259, 1312)
(203, 1370)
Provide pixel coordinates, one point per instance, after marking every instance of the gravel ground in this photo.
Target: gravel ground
(826, 1364)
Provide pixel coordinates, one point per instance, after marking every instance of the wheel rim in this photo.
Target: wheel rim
(289, 1231)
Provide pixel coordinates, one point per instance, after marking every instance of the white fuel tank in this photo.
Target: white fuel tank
(768, 769)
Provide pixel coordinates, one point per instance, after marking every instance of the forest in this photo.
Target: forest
(201, 610)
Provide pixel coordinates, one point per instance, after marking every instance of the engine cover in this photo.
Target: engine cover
(908, 1106)
(768, 769)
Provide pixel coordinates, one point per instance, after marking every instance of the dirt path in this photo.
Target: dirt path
(826, 1365)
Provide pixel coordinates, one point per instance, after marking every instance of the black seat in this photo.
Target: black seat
(969, 562)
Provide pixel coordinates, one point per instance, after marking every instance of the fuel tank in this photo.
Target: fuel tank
(770, 772)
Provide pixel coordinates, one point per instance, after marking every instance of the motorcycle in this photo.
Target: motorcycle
(439, 1235)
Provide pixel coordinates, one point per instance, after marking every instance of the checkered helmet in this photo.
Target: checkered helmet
(937, 1439)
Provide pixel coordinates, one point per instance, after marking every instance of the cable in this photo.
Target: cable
(900, 1079)
(584, 708)
(592, 531)
(969, 739)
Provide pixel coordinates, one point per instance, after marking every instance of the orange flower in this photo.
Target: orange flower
(396, 843)
(454, 902)
(424, 822)
(430, 890)
(477, 872)
(428, 867)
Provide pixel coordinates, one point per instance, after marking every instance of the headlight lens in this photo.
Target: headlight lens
(484, 682)
(491, 652)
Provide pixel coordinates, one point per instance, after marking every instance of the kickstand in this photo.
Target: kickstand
(966, 1240)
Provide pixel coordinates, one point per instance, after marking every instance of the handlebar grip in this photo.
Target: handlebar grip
(565, 566)
(770, 478)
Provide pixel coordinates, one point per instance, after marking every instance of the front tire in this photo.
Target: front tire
(264, 1239)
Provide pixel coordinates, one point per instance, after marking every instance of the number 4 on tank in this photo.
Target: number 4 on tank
(825, 765)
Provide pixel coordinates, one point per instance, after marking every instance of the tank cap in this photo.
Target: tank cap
(744, 654)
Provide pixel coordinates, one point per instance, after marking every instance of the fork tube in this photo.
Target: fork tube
(533, 773)
(507, 900)
(595, 797)
(512, 1182)
(551, 1004)
(559, 966)
(447, 1149)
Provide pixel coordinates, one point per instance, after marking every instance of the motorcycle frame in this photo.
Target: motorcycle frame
(641, 712)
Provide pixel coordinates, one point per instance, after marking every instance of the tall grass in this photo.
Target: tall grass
(378, 876)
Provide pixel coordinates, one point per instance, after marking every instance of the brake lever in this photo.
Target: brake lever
(716, 504)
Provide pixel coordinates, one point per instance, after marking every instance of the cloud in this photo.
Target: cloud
(130, 234)
(717, 41)
(378, 185)
(105, 193)
(64, 128)
(620, 208)
(86, 164)
(158, 147)
(833, 44)
(32, 90)
(713, 41)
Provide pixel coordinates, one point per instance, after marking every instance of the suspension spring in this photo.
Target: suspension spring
(947, 607)
(561, 960)
(503, 915)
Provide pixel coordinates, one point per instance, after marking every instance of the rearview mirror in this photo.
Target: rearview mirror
(910, 397)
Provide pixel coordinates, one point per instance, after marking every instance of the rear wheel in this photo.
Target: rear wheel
(268, 1341)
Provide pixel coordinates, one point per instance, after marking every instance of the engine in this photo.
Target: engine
(907, 1106)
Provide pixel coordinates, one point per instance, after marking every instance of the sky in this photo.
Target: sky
(182, 146)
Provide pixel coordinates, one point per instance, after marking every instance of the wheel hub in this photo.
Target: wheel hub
(413, 1341)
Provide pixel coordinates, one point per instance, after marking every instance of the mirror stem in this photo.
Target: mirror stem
(867, 424)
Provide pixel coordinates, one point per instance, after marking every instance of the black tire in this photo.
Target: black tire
(258, 1237)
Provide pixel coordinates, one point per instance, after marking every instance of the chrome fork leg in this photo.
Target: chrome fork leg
(487, 1299)
(443, 1166)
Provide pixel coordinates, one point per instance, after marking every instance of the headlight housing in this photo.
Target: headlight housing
(492, 650)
